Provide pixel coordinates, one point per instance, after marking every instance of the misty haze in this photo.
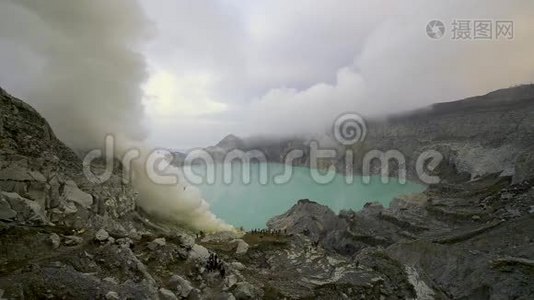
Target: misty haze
(224, 149)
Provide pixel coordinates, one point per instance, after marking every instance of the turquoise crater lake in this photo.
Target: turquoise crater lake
(251, 205)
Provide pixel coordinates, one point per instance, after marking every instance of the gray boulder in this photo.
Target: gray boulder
(101, 235)
(111, 295)
(182, 286)
(241, 248)
(72, 240)
(6, 213)
(160, 242)
(199, 253)
(245, 290)
(523, 167)
(230, 281)
(237, 266)
(55, 240)
(309, 218)
(187, 241)
(165, 294)
(71, 192)
(27, 211)
(15, 172)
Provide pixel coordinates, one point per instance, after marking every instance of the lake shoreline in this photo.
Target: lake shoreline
(250, 205)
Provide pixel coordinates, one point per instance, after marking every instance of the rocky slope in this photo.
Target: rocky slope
(483, 135)
(62, 236)
(42, 179)
(49, 209)
(472, 240)
(477, 136)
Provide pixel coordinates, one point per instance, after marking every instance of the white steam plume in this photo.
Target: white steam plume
(85, 78)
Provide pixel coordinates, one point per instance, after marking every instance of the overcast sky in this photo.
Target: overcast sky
(187, 73)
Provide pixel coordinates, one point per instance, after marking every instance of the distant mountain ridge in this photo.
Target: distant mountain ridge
(469, 238)
(498, 128)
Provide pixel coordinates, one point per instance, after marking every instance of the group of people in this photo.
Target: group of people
(268, 231)
(215, 264)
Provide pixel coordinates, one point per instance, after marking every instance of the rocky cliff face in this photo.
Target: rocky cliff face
(62, 236)
(471, 237)
(40, 175)
(48, 207)
(308, 217)
(477, 136)
(470, 240)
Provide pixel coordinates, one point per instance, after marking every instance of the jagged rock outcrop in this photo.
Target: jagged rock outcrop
(38, 167)
(308, 218)
(469, 240)
(524, 166)
(477, 136)
(62, 236)
(470, 237)
(22, 210)
(230, 142)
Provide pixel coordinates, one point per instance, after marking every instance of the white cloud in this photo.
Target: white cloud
(289, 67)
(228, 66)
(169, 96)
